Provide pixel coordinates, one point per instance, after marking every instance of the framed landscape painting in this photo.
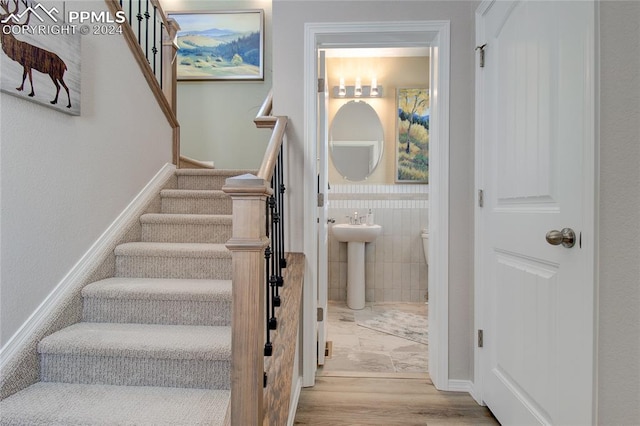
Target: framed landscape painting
(412, 136)
(221, 45)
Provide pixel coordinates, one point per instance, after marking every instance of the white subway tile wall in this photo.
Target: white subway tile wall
(395, 268)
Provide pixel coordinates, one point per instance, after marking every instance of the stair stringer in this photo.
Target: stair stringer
(19, 361)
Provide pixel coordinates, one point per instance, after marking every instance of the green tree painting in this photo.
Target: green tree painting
(412, 146)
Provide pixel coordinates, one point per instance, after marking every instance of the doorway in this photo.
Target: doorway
(432, 34)
(387, 331)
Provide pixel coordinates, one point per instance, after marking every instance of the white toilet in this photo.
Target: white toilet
(425, 244)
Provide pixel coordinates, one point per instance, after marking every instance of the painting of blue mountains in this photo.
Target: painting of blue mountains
(220, 46)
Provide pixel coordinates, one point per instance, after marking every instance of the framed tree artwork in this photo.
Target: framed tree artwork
(40, 58)
(412, 135)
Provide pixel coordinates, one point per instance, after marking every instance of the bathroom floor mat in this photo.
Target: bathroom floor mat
(397, 323)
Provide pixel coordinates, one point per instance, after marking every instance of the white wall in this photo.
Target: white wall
(619, 287)
(288, 83)
(216, 117)
(65, 179)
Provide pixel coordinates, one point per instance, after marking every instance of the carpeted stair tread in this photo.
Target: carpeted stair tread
(195, 201)
(207, 179)
(197, 219)
(158, 301)
(214, 172)
(193, 193)
(155, 249)
(159, 289)
(140, 341)
(58, 404)
(173, 260)
(187, 228)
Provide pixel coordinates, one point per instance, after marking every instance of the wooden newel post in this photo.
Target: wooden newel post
(247, 244)
(170, 77)
(170, 65)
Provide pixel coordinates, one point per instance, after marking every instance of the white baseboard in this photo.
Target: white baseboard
(89, 261)
(460, 386)
(294, 401)
(475, 394)
(465, 386)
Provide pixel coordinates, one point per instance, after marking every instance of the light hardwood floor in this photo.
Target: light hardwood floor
(379, 399)
(375, 378)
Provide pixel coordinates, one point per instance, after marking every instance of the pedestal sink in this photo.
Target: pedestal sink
(355, 236)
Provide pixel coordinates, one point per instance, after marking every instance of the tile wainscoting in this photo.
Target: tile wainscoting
(395, 269)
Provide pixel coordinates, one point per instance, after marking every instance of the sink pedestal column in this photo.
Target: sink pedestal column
(355, 275)
(355, 236)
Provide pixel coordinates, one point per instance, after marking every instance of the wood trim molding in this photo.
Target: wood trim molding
(190, 163)
(280, 366)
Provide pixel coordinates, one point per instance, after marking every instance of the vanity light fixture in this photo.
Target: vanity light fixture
(358, 90)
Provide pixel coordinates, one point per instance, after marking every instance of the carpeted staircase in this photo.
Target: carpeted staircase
(154, 345)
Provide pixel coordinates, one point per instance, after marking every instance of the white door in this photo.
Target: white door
(535, 124)
(323, 280)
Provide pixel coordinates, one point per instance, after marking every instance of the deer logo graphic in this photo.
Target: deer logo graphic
(29, 56)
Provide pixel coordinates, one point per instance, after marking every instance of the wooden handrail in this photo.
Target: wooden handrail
(273, 149)
(264, 119)
(279, 126)
(147, 72)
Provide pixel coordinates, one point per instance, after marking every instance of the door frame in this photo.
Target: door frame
(435, 34)
(590, 195)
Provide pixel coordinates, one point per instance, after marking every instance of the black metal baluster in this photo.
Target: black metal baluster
(275, 219)
(139, 17)
(282, 189)
(161, 52)
(146, 31)
(268, 346)
(155, 39)
(273, 282)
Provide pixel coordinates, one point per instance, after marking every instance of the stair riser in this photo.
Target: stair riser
(126, 371)
(173, 267)
(176, 312)
(185, 233)
(201, 182)
(196, 205)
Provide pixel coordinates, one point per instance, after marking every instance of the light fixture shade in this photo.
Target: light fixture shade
(358, 88)
(374, 87)
(342, 91)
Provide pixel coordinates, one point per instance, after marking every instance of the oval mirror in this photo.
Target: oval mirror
(356, 140)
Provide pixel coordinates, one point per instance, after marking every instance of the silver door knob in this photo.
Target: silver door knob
(566, 237)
